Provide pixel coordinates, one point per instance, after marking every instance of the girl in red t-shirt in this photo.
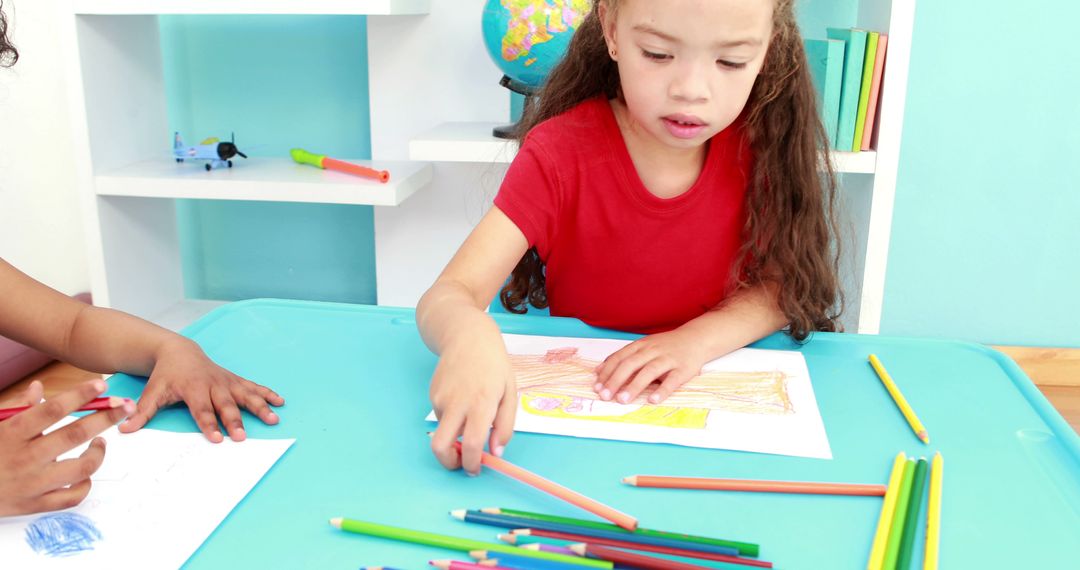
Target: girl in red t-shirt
(668, 182)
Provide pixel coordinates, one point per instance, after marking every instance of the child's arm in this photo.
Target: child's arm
(104, 340)
(473, 385)
(31, 480)
(677, 356)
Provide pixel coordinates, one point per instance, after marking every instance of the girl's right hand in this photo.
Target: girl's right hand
(31, 479)
(473, 390)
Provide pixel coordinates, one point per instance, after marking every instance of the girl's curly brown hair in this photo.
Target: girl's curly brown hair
(790, 226)
(8, 54)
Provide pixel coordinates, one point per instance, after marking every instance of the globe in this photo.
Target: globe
(527, 38)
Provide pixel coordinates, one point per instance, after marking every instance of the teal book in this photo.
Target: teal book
(854, 55)
(826, 61)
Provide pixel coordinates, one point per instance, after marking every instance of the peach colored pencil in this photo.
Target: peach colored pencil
(755, 486)
(573, 497)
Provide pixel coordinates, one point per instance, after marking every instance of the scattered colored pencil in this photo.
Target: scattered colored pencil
(451, 542)
(710, 484)
(523, 540)
(645, 547)
(456, 565)
(744, 548)
(478, 517)
(524, 562)
(325, 162)
(933, 514)
(106, 403)
(896, 529)
(907, 539)
(623, 558)
(548, 548)
(881, 536)
(574, 498)
(379, 568)
(901, 402)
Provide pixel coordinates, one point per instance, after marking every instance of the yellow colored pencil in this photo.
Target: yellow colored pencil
(901, 402)
(877, 551)
(933, 515)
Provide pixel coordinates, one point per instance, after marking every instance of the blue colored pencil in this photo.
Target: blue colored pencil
(504, 560)
(478, 517)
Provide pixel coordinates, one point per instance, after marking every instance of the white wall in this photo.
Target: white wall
(40, 224)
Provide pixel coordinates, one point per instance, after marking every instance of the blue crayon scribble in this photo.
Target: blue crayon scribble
(62, 534)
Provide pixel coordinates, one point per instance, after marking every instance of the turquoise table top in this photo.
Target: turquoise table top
(356, 383)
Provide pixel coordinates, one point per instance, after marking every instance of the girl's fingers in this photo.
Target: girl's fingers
(33, 394)
(503, 427)
(225, 407)
(254, 400)
(70, 471)
(674, 380)
(50, 446)
(611, 363)
(621, 375)
(40, 416)
(442, 441)
(60, 499)
(201, 408)
(152, 399)
(648, 374)
(475, 435)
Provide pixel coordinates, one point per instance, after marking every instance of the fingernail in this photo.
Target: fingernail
(129, 407)
(624, 397)
(99, 386)
(499, 450)
(239, 434)
(605, 394)
(654, 398)
(471, 474)
(596, 387)
(272, 417)
(216, 435)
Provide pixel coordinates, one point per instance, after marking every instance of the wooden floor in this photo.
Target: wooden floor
(1056, 371)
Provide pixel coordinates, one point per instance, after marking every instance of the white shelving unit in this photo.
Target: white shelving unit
(126, 175)
(868, 179)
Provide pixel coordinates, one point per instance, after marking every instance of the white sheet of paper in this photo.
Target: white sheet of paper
(156, 498)
(750, 400)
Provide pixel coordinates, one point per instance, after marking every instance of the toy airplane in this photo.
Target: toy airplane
(218, 154)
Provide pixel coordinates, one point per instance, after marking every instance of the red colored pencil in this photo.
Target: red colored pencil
(709, 484)
(623, 558)
(645, 547)
(574, 498)
(106, 403)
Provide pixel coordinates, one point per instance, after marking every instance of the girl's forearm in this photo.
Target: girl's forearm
(748, 316)
(448, 313)
(104, 340)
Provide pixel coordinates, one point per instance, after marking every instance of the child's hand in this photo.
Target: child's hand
(473, 387)
(673, 357)
(183, 373)
(31, 479)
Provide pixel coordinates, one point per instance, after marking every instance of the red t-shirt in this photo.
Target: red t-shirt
(618, 256)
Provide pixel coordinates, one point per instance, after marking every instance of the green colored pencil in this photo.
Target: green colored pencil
(892, 549)
(744, 548)
(907, 541)
(460, 544)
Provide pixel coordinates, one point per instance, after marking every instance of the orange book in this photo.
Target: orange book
(875, 95)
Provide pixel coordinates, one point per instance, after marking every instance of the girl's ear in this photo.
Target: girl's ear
(607, 24)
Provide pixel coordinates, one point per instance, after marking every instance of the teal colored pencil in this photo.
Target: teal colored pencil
(523, 539)
(744, 548)
(907, 541)
(455, 543)
(892, 549)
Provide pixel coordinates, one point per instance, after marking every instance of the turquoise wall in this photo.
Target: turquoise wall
(277, 82)
(986, 229)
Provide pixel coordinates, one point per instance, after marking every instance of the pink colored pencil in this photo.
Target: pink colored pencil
(455, 565)
(106, 403)
(574, 498)
(549, 548)
(798, 487)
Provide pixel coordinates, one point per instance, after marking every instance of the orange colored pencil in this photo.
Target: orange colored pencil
(356, 169)
(573, 497)
(755, 486)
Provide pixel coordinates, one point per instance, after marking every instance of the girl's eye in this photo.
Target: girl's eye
(730, 64)
(655, 56)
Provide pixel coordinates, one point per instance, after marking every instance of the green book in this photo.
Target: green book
(864, 91)
(826, 61)
(852, 83)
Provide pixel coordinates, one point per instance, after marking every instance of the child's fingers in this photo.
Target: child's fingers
(226, 409)
(33, 393)
(255, 401)
(48, 447)
(151, 400)
(442, 442)
(674, 380)
(202, 411)
(40, 416)
(648, 374)
(71, 471)
(474, 436)
(622, 374)
(60, 499)
(503, 428)
(611, 363)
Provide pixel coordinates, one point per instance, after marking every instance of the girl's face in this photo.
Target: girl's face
(687, 66)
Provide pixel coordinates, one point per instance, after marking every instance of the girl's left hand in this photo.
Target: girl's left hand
(672, 357)
(183, 373)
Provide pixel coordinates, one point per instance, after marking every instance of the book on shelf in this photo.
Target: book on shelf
(854, 54)
(826, 61)
(870, 128)
(864, 88)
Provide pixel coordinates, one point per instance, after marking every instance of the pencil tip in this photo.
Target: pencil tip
(578, 549)
(458, 514)
(491, 510)
(631, 480)
(336, 522)
(508, 538)
(531, 546)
